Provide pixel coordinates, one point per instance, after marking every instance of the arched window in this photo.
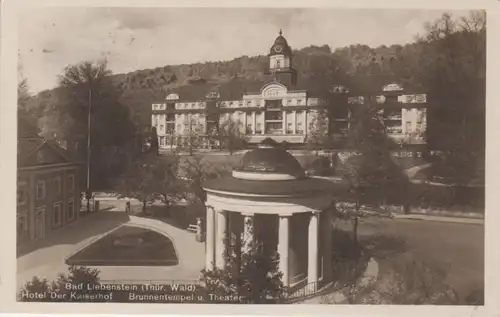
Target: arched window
(277, 63)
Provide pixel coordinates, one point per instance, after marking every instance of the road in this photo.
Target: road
(454, 247)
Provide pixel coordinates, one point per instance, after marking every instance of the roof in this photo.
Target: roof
(27, 146)
(230, 90)
(297, 187)
(270, 160)
(272, 171)
(280, 41)
(47, 152)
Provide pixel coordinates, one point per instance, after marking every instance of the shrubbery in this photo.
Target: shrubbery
(41, 290)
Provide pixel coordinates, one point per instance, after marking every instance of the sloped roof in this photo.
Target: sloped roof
(27, 147)
(235, 89)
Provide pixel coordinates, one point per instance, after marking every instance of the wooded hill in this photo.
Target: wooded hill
(448, 63)
(358, 67)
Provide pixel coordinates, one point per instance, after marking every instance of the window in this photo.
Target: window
(22, 196)
(249, 103)
(161, 127)
(258, 127)
(278, 64)
(419, 127)
(71, 182)
(299, 101)
(289, 127)
(274, 128)
(22, 228)
(57, 215)
(40, 190)
(300, 128)
(71, 210)
(57, 185)
(289, 101)
(408, 127)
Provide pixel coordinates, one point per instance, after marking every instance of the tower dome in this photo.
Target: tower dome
(280, 46)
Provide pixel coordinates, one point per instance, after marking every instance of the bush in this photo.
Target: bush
(348, 257)
(410, 282)
(77, 277)
(427, 195)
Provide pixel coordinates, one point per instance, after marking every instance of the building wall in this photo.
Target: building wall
(298, 115)
(45, 200)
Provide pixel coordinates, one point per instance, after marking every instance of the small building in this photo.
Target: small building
(270, 199)
(48, 191)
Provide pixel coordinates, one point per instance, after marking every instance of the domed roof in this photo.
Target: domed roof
(280, 45)
(270, 160)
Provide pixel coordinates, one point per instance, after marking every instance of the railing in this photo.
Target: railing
(153, 282)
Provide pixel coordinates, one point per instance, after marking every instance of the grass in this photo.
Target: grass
(127, 246)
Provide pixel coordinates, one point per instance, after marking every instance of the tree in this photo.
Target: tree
(371, 174)
(251, 272)
(231, 135)
(86, 107)
(450, 64)
(76, 277)
(197, 170)
(318, 136)
(191, 136)
(151, 178)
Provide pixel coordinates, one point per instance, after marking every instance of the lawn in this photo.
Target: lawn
(452, 253)
(127, 246)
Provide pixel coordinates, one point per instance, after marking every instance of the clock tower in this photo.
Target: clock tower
(280, 62)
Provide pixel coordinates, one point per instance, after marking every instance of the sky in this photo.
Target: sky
(138, 38)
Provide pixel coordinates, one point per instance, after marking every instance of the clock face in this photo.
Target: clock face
(278, 49)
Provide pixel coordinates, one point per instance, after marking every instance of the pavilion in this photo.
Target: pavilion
(270, 198)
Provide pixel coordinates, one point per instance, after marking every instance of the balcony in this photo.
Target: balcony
(394, 130)
(397, 117)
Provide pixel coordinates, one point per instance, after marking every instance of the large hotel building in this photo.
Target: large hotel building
(281, 109)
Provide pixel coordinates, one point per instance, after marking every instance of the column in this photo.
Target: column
(283, 247)
(254, 122)
(245, 115)
(220, 247)
(263, 131)
(312, 259)
(294, 117)
(248, 220)
(210, 239)
(283, 120)
(327, 252)
(306, 124)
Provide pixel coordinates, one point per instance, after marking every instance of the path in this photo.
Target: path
(47, 261)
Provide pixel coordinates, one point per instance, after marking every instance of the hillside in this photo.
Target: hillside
(358, 67)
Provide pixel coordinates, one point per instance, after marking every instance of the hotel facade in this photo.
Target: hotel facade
(282, 110)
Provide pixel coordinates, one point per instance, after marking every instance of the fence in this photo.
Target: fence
(153, 282)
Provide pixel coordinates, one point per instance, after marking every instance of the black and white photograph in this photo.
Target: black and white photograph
(250, 155)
